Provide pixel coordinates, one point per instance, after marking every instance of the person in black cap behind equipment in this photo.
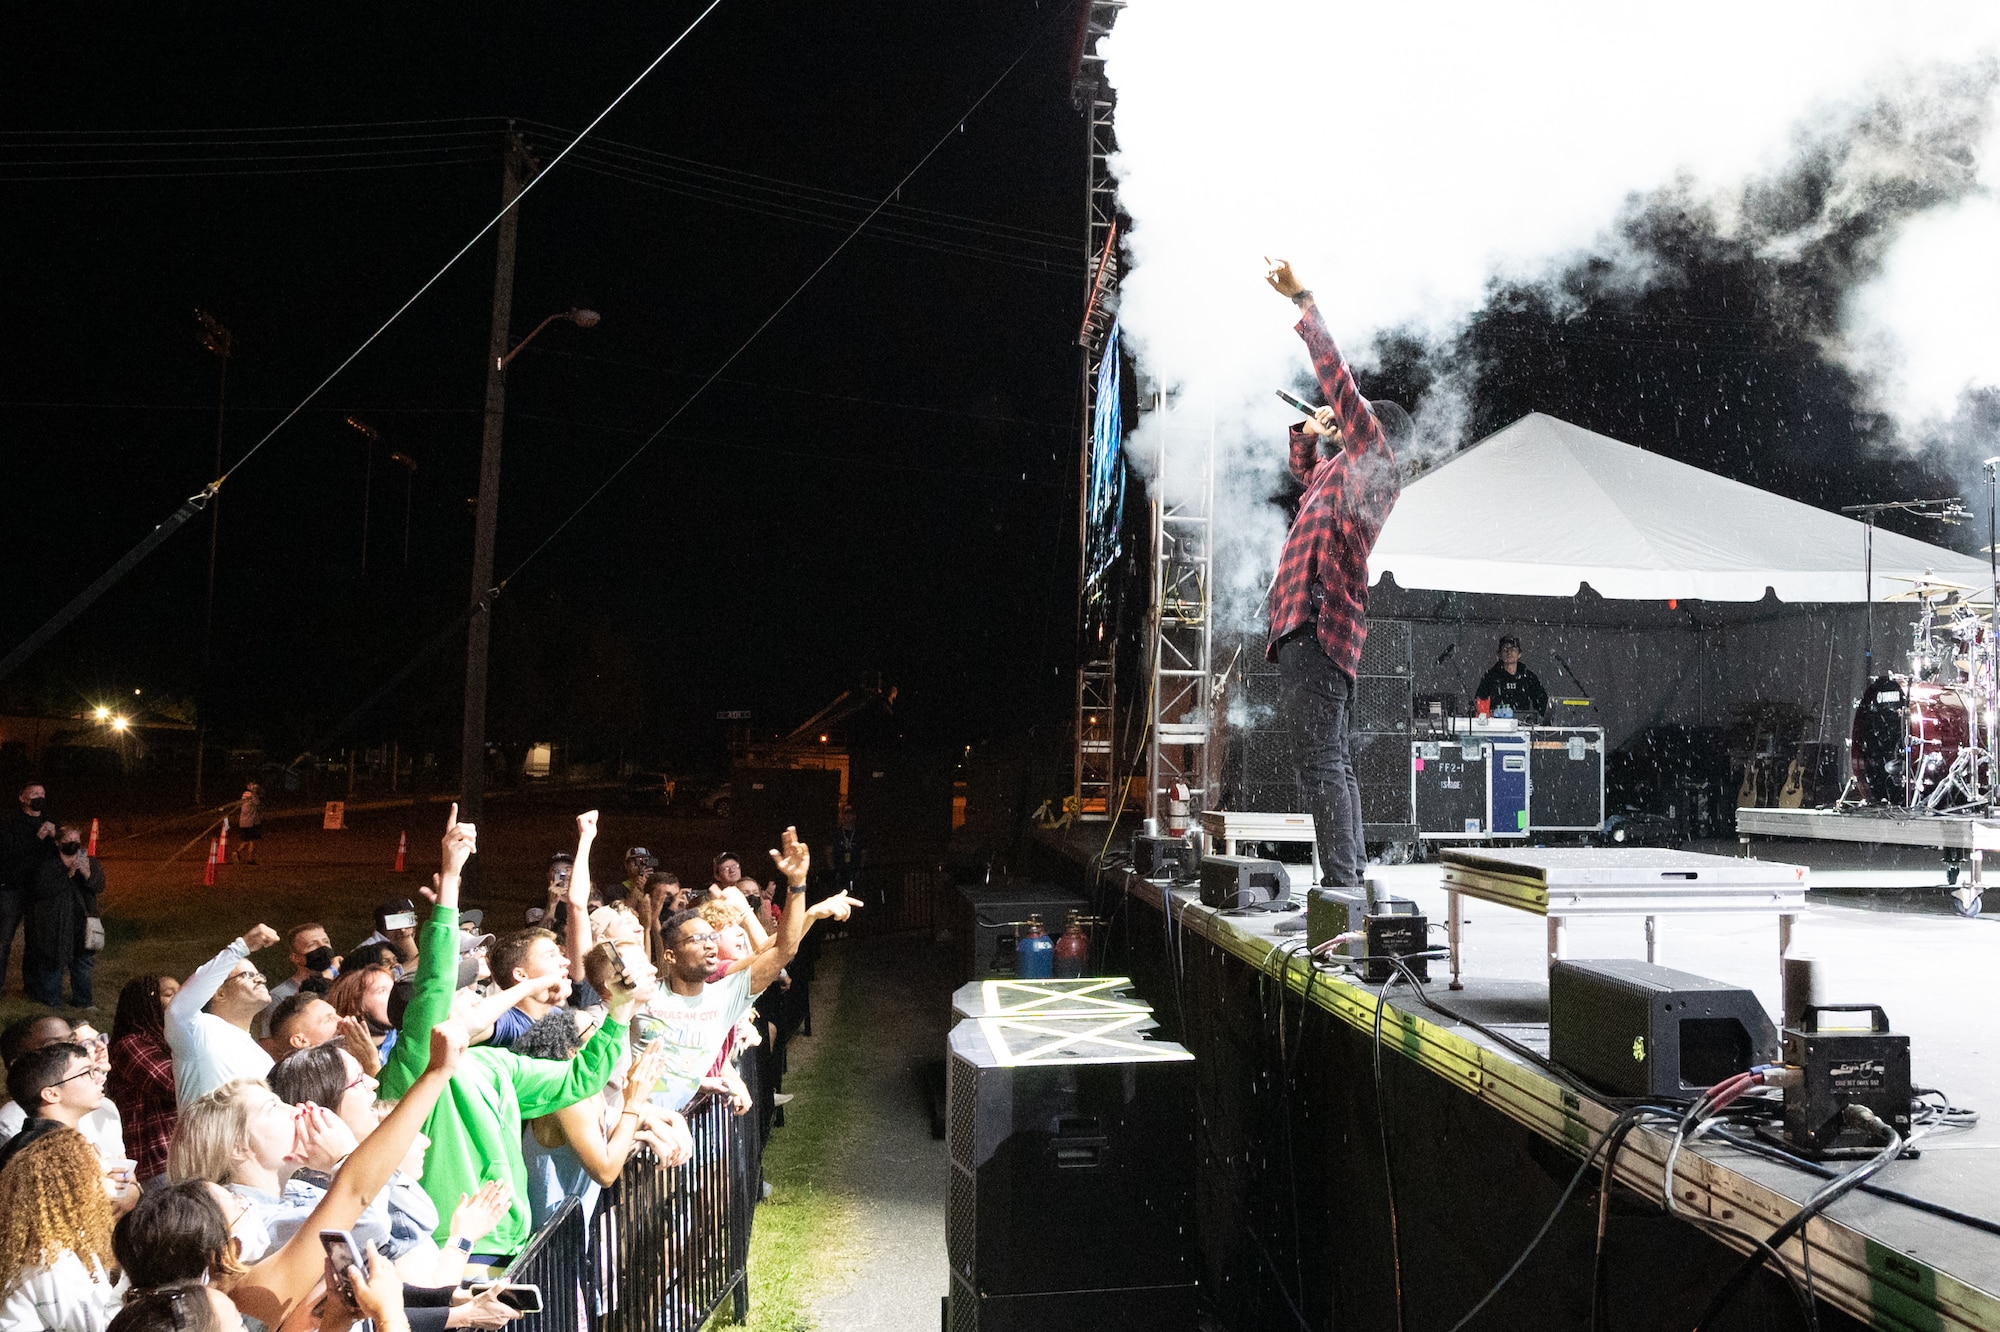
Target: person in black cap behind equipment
(1510, 684)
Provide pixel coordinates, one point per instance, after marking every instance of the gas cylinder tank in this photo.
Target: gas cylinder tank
(1073, 949)
(1034, 952)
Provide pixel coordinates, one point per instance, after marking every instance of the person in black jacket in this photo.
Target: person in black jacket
(64, 897)
(26, 840)
(1508, 683)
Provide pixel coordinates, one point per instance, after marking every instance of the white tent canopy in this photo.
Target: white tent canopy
(1543, 507)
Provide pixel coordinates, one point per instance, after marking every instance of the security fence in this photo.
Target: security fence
(665, 1247)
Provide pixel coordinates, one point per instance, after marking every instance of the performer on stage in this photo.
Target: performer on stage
(1509, 683)
(1319, 603)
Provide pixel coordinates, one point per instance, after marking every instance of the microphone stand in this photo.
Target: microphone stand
(1582, 688)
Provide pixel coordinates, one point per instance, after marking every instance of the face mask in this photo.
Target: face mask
(71, 848)
(34, 806)
(319, 959)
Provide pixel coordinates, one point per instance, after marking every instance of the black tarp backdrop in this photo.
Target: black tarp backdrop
(895, 458)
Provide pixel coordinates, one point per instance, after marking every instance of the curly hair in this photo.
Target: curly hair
(52, 1199)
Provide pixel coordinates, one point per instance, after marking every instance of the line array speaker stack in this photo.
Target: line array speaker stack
(1259, 773)
(1071, 1140)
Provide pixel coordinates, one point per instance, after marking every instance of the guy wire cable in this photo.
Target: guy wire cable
(198, 501)
(957, 126)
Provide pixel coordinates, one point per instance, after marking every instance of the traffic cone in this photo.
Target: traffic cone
(208, 875)
(402, 846)
(91, 851)
(222, 847)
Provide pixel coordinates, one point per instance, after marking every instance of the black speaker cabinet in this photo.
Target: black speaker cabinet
(1071, 1205)
(984, 931)
(1636, 1029)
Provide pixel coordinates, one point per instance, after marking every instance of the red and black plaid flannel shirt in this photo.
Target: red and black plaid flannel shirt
(1324, 564)
(141, 1085)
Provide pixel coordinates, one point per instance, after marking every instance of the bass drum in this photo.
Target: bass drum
(1906, 736)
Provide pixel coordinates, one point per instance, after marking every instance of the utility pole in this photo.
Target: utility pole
(516, 165)
(217, 339)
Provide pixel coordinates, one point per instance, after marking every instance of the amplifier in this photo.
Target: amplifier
(1156, 857)
(1845, 1066)
(1392, 927)
(1636, 1029)
(1242, 881)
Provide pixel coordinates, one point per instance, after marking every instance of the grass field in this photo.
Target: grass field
(159, 917)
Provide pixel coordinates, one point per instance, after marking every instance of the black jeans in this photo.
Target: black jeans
(1318, 708)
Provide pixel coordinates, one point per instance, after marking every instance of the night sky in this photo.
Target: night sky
(883, 482)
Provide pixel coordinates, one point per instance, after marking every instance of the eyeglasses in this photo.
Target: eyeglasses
(705, 937)
(92, 1072)
(359, 1079)
(98, 1042)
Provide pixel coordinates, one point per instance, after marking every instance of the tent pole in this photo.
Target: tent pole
(1868, 592)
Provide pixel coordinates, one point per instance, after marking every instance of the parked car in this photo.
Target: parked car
(649, 790)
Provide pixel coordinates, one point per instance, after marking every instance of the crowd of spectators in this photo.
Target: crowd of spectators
(434, 1095)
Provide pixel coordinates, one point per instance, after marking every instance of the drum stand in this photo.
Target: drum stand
(1963, 778)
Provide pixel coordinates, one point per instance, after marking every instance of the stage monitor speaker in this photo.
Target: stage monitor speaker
(1070, 1209)
(1382, 767)
(1234, 882)
(1636, 1029)
(1157, 857)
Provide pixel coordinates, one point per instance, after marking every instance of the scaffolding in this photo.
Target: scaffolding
(1095, 776)
(1180, 652)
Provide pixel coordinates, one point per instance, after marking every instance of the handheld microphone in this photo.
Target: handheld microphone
(1299, 403)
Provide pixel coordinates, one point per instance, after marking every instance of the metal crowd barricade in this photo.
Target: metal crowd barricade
(555, 1261)
(666, 1247)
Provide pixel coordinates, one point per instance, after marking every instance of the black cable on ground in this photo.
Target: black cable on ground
(1770, 1152)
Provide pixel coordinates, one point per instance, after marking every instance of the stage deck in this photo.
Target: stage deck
(1946, 832)
(1882, 1262)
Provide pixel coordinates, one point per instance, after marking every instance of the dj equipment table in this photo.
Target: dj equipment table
(1561, 882)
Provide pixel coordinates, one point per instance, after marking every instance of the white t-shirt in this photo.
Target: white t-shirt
(208, 1051)
(696, 1028)
(103, 1126)
(65, 1297)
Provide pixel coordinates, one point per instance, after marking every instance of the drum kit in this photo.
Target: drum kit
(1926, 739)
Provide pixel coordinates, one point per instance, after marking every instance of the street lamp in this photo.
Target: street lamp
(409, 479)
(581, 318)
(472, 798)
(370, 437)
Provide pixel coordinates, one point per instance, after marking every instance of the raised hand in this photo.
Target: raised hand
(1321, 422)
(479, 1213)
(795, 861)
(586, 824)
(379, 1293)
(838, 907)
(1281, 277)
(259, 936)
(461, 840)
(357, 1041)
(321, 1139)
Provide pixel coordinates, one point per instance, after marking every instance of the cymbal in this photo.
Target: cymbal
(1926, 592)
(1928, 580)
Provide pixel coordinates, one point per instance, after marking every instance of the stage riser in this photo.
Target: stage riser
(1290, 1189)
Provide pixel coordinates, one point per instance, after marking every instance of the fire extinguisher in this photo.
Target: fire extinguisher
(1034, 952)
(1073, 949)
(1178, 799)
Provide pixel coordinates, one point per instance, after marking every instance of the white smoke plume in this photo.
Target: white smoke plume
(1405, 155)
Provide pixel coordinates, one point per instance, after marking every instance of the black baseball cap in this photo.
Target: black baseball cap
(638, 853)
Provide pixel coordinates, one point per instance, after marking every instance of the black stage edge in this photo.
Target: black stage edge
(1292, 1197)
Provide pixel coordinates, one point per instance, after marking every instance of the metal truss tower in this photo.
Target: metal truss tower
(1096, 757)
(1180, 658)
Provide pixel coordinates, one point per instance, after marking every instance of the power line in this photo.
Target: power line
(195, 503)
(957, 126)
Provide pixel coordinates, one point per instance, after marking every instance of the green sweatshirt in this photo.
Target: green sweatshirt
(475, 1131)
